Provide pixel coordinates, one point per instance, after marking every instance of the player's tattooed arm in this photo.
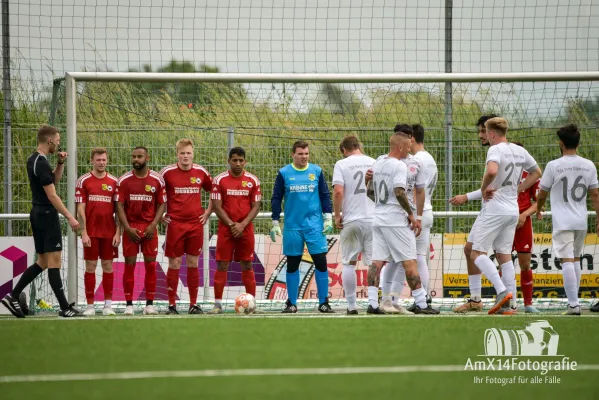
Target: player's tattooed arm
(402, 198)
(370, 190)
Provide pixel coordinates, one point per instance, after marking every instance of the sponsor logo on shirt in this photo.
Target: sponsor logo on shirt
(302, 188)
(246, 184)
(187, 190)
(150, 188)
(103, 199)
(140, 197)
(232, 192)
(195, 180)
(107, 187)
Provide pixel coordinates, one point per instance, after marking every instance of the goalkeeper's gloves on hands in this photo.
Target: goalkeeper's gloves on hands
(275, 230)
(328, 224)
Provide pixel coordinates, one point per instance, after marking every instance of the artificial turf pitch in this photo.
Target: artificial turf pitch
(41, 346)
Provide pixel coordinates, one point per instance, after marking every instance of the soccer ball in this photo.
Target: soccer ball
(245, 303)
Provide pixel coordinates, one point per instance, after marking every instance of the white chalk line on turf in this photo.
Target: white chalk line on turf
(244, 372)
(139, 317)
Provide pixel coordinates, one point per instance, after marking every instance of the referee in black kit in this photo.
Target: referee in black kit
(44, 222)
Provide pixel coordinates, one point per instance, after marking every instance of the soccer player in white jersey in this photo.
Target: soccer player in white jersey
(427, 168)
(473, 303)
(496, 224)
(393, 222)
(569, 179)
(349, 197)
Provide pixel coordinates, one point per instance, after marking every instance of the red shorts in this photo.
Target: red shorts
(184, 238)
(149, 248)
(523, 238)
(229, 248)
(101, 248)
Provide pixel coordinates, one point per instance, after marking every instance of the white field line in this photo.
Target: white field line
(139, 316)
(243, 372)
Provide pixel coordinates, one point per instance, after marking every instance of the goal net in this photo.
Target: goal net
(266, 118)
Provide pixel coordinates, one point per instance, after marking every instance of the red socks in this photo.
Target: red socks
(107, 284)
(193, 283)
(172, 282)
(220, 280)
(89, 280)
(249, 281)
(129, 281)
(526, 285)
(150, 281)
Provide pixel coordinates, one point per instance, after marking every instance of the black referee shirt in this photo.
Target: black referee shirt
(40, 175)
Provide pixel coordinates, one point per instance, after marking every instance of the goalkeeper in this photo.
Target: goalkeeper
(308, 219)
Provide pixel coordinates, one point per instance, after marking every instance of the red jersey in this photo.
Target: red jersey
(237, 193)
(98, 196)
(526, 198)
(183, 191)
(141, 196)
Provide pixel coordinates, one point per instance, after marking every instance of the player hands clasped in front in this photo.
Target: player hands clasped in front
(349, 197)
(141, 200)
(236, 199)
(100, 232)
(496, 224)
(185, 219)
(569, 179)
(473, 303)
(308, 219)
(393, 223)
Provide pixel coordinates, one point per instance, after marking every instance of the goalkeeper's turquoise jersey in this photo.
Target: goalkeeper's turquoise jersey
(306, 195)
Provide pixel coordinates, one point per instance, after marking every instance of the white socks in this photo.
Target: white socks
(348, 276)
(108, 304)
(423, 271)
(420, 298)
(484, 263)
(398, 283)
(508, 277)
(373, 296)
(387, 279)
(475, 283)
(578, 272)
(570, 283)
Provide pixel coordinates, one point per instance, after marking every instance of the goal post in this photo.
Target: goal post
(368, 91)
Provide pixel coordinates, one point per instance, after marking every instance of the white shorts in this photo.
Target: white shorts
(494, 231)
(423, 241)
(568, 244)
(356, 238)
(393, 244)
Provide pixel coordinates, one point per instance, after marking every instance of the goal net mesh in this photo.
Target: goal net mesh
(265, 119)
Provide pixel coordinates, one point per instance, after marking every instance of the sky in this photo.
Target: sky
(49, 38)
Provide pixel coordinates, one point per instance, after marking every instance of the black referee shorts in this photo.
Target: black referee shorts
(46, 229)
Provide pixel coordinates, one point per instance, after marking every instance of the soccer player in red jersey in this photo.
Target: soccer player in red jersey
(100, 233)
(141, 202)
(185, 218)
(523, 240)
(236, 199)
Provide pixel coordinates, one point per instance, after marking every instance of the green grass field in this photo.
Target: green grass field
(333, 356)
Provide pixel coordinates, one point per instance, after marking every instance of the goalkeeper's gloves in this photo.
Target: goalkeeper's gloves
(328, 224)
(275, 230)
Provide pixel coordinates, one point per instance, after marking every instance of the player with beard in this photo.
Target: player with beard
(141, 201)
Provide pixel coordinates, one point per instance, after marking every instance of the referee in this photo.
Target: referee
(44, 222)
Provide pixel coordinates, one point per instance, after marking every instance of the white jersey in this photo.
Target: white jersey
(512, 160)
(429, 168)
(569, 178)
(415, 178)
(388, 173)
(350, 173)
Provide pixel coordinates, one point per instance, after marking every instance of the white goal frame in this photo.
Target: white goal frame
(71, 79)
